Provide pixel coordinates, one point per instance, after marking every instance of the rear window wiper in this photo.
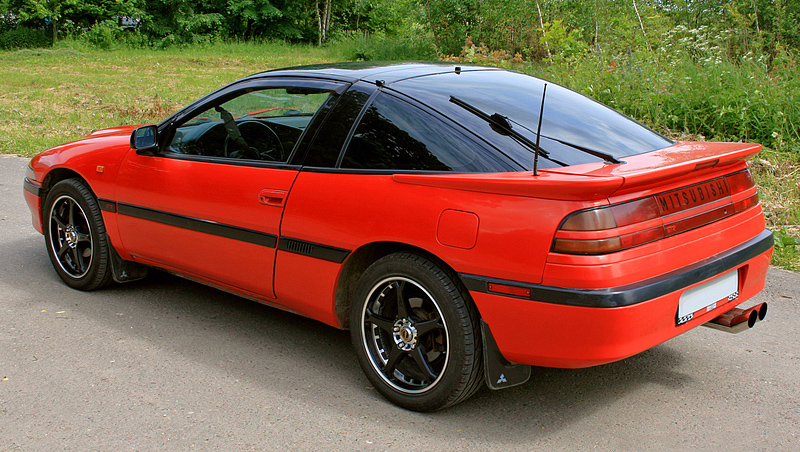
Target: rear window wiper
(502, 125)
(607, 157)
(499, 124)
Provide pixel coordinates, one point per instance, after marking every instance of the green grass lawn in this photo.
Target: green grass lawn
(49, 97)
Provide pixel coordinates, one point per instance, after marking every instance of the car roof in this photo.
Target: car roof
(372, 71)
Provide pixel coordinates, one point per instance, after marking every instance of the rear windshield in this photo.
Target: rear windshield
(570, 120)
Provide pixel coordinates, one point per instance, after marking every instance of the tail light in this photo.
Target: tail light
(626, 225)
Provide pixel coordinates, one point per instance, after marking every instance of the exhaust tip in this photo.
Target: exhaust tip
(752, 318)
(762, 311)
(737, 320)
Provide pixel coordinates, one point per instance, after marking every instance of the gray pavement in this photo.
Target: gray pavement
(167, 364)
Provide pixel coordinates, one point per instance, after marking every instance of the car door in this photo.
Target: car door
(208, 204)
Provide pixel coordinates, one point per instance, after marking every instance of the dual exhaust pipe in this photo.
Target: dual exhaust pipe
(737, 320)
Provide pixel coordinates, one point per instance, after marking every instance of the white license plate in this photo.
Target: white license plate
(706, 296)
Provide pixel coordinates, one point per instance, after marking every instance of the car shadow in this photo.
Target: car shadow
(289, 354)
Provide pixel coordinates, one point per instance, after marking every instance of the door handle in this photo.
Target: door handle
(274, 198)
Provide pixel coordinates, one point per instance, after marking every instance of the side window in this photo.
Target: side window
(257, 125)
(395, 135)
(324, 151)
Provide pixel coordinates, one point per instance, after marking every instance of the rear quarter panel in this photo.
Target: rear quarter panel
(352, 210)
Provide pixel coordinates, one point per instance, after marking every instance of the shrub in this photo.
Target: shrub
(379, 47)
(103, 34)
(24, 38)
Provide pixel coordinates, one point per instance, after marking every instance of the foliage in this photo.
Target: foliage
(481, 54)
(24, 38)
(103, 34)
(380, 47)
(562, 44)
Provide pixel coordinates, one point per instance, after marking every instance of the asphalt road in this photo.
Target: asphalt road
(167, 364)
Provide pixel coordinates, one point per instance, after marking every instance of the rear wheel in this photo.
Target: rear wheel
(416, 333)
(76, 237)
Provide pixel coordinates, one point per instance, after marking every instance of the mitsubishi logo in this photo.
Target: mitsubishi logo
(502, 379)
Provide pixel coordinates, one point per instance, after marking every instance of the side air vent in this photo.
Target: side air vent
(311, 249)
(299, 247)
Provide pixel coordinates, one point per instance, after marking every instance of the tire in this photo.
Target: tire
(416, 333)
(76, 237)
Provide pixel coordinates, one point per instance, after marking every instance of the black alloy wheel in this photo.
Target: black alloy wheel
(416, 333)
(76, 237)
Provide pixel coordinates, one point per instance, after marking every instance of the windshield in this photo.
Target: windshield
(569, 117)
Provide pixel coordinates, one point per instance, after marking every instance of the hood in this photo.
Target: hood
(102, 148)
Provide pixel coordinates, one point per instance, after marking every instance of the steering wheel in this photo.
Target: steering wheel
(261, 141)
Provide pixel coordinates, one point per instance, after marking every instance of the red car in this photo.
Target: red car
(464, 223)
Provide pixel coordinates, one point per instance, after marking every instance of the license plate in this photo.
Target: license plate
(706, 296)
(693, 196)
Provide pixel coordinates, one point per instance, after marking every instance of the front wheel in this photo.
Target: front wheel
(416, 333)
(76, 237)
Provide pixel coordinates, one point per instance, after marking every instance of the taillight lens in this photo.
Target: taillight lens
(626, 225)
(741, 181)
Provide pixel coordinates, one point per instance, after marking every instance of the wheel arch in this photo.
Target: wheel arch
(360, 259)
(53, 177)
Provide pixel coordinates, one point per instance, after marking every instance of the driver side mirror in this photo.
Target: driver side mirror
(145, 140)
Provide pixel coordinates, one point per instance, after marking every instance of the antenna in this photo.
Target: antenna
(538, 134)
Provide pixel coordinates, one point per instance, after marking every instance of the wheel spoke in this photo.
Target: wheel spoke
(58, 221)
(71, 210)
(77, 260)
(84, 238)
(428, 326)
(403, 308)
(391, 363)
(62, 251)
(418, 355)
(381, 322)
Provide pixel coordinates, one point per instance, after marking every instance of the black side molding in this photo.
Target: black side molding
(637, 292)
(199, 225)
(107, 205)
(316, 250)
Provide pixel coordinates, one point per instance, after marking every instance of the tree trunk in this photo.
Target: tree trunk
(433, 27)
(327, 18)
(323, 20)
(755, 11)
(641, 25)
(319, 23)
(541, 22)
(596, 28)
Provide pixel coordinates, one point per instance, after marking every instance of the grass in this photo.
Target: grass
(48, 97)
(778, 178)
(52, 96)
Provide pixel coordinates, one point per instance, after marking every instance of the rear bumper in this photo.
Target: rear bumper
(563, 327)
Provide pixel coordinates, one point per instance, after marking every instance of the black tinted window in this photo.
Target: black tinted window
(328, 142)
(395, 135)
(569, 117)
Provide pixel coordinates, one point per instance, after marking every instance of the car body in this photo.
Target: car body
(463, 222)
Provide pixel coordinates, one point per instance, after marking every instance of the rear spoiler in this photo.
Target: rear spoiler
(600, 179)
(671, 163)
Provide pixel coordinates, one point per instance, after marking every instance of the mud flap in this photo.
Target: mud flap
(499, 372)
(125, 271)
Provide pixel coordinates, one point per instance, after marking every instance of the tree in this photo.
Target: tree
(323, 19)
(45, 10)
